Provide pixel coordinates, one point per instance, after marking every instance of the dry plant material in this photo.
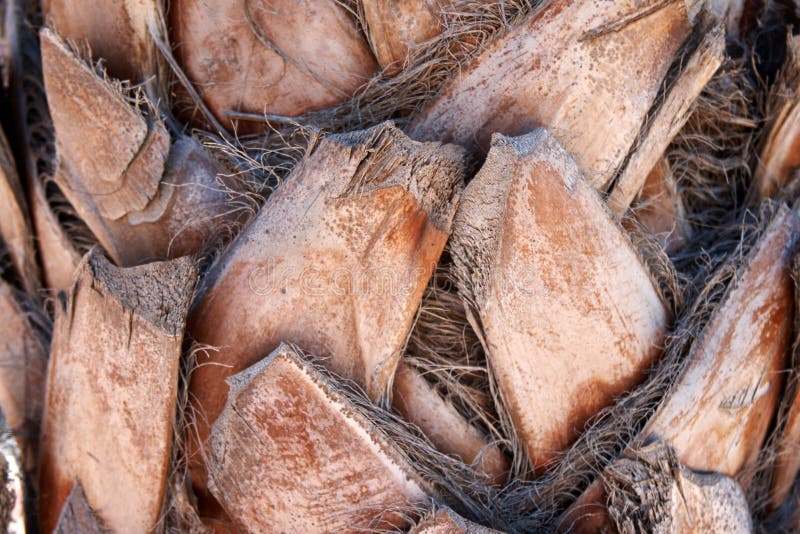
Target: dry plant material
(290, 453)
(669, 117)
(15, 228)
(786, 464)
(77, 516)
(396, 27)
(780, 151)
(336, 261)
(118, 31)
(652, 491)
(569, 315)
(59, 256)
(418, 402)
(717, 414)
(22, 371)
(111, 390)
(561, 69)
(274, 57)
(143, 196)
(446, 521)
(659, 208)
(12, 486)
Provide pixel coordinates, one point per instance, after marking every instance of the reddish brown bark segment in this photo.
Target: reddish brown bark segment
(570, 316)
(396, 26)
(560, 69)
(417, 401)
(291, 454)
(718, 413)
(115, 30)
(143, 196)
(336, 261)
(280, 57)
(111, 391)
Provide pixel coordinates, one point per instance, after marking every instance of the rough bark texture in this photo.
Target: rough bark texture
(671, 114)
(116, 30)
(77, 516)
(660, 209)
(570, 316)
(280, 57)
(652, 491)
(560, 69)
(15, 229)
(111, 391)
(780, 152)
(142, 197)
(397, 26)
(336, 261)
(23, 365)
(290, 454)
(787, 461)
(446, 521)
(416, 400)
(717, 414)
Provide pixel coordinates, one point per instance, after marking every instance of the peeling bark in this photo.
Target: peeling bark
(22, 373)
(416, 400)
(111, 390)
(560, 69)
(446, 521)
(116, 30)
(15, 227)
(555, 284)
(666, 121)
(336, 261)
(397, 26)
(289, 453)
(652, 491)
(779, 160)
(718, 413)
(143, 197)
(279, 57)
(660, 209)
(78, 516)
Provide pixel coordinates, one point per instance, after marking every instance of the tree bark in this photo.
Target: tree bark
(570, 317)
(289, 453)
(111, 391)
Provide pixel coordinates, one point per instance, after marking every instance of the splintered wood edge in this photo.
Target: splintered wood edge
(159, 292)
(477, 228)
(671, 115)
(78, 516)
(322, 380)
(435, 171)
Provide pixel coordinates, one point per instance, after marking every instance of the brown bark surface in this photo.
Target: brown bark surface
(290, 453)
(570, 316)
(659, 208)
(336, 262)
(281, 57)
(446, 521)
(718, 413)
(561, 69)
(111, 391)
(396, 26)
(115, 30)
(143, 196)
